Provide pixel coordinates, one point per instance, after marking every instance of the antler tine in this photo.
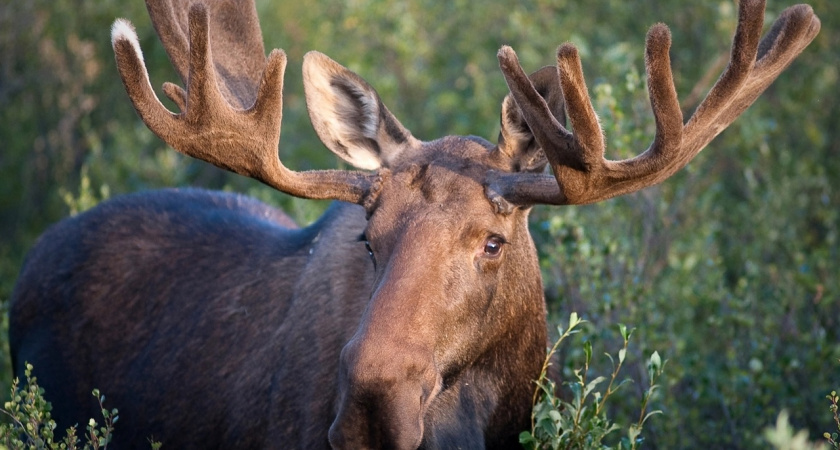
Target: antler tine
(587, 144)
(549, 132)
(234, 34)
(171, 27)
(210, 128)
(650, 167)
(571, 155)
(794, 29)
(582, 173)
(605, 174)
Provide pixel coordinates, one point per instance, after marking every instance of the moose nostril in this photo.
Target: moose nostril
(391, 417)
(385, 394)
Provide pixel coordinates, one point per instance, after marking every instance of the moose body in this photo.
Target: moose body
(159, 279)
(411, 315)
(173, 342)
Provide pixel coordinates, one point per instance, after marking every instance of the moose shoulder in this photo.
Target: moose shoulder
(411, 315)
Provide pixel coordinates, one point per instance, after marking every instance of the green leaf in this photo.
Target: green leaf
(592, 385)
(622, 383)
(633, 432)
(656, 360)
(587, 350)
(573, 320)
(527, 440)
(652, 413)
(654, 365)
(548, 426)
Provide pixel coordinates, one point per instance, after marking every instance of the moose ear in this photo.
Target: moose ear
(349, 116)
(516, 141)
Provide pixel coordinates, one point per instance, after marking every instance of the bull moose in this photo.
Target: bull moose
(411, 315)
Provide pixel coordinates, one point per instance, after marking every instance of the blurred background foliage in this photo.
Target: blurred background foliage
(729, 269)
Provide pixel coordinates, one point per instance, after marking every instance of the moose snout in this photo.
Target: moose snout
(385, 391)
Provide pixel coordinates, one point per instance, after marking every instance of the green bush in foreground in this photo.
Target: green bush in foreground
(784, 437)
(582, 422)
(32, 426)
(833, 438)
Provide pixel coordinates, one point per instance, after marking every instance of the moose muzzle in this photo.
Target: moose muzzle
(385, 390)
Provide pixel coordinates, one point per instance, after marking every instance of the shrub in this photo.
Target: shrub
(783, 436)
(582, 422)
(31, 426)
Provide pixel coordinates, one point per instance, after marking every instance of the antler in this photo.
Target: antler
(232, 107)
(581, 173)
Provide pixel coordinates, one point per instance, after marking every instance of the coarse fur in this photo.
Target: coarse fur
(183, 292)
(411, 315)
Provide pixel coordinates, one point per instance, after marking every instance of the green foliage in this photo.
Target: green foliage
(32, 428)
(730, 265)
(833, 438)
(86, 197)
(582, 422)
(783, 436)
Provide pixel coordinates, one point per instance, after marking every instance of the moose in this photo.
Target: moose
(410, 315)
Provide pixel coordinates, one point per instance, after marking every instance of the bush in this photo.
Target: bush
(582, 422)
(783, 436)
(31, 427)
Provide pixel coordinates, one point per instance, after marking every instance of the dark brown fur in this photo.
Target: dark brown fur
(211, 321)
(211, 324)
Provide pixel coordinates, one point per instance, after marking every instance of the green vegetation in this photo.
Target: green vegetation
(582, 422)
(728, 269)
(31, 427)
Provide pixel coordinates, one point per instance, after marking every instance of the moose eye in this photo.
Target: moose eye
(363, 238)
(493, 246)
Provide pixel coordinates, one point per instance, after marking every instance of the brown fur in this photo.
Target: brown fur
(211, 321)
